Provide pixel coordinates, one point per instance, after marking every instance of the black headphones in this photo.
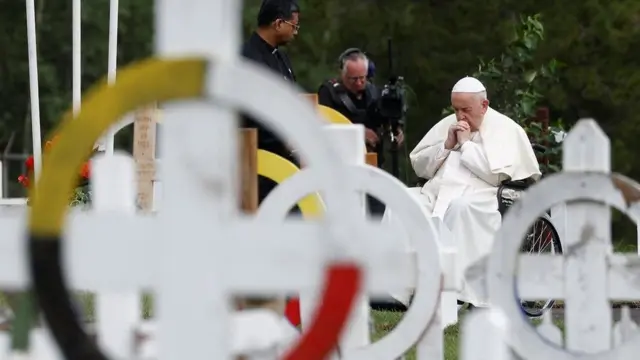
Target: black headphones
(350, 51)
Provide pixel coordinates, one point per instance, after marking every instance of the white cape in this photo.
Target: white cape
(498, 133)
(466, 202)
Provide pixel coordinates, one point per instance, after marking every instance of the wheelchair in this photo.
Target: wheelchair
(542, 236)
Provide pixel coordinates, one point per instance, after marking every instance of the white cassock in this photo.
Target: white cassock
(463, 184)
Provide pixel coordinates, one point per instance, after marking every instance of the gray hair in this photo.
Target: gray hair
(355, 57)
(482, 95)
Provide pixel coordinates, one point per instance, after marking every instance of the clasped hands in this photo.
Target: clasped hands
(458, 134)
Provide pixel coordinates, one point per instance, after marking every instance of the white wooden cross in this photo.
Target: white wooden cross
(97, 241)
(588, 275)
(87, 254)
(199, 250)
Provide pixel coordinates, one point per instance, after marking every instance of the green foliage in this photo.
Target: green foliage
(517, 86)
(81, 196)
(513, 80)
(54, 45)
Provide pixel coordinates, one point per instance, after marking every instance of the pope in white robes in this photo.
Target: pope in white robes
(465, 157)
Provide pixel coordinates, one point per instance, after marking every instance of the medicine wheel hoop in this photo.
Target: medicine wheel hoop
(416, 226)
(333, 116)
(148, 81)
(279, 169)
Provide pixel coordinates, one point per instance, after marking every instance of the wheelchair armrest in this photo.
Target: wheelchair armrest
(509, 191)
(539, 148)
(518, 184)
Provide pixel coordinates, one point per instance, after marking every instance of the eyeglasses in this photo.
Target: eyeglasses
(356, 78)
(295, 27)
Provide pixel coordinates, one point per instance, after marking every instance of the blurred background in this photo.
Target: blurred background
(545, 64)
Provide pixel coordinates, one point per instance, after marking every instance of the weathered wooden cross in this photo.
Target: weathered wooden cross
(588, 276)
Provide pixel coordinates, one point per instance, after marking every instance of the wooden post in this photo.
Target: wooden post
(371, 159)
(312, 97)
(144, 148)
(249, 204)
(249, 170)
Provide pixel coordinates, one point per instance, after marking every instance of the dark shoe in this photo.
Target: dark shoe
(387, 304)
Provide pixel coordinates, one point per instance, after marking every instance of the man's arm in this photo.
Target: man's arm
(248, 52)
(324, 96)
(427, 161)
(474, 159)
(287, 63)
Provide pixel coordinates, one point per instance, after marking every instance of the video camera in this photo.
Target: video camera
(391, 109)
(391, 106)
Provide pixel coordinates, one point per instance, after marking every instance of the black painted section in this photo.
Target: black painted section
(53, 297)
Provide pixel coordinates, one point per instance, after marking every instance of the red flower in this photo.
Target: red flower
(24, 180)
(29, 163)
(85, 171)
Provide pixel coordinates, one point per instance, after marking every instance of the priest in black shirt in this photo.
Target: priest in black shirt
(278, 24)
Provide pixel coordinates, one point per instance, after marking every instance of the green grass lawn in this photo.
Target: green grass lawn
(385, 321)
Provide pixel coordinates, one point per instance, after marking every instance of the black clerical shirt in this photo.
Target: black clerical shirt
(258, 50)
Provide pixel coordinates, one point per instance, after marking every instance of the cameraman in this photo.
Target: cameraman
(356, 98)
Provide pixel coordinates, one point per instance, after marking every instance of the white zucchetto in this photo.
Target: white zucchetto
(468, 85)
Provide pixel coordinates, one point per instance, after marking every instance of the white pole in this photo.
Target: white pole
(113, 41)
(1, 181)
(112, 64)
(77, 46)
(33, 88)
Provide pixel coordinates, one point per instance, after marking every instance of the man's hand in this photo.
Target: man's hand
(399, 137)
(463, 125)
(451, 141)
(463, 134)
(371, 138)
